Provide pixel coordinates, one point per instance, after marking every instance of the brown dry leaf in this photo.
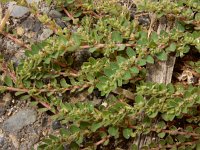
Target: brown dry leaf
(186, 76)
(14, 141)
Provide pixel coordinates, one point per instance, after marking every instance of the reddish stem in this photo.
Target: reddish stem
(102, 140)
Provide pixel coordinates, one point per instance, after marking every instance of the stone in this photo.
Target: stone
(28, 23)
(45, 34)
(20, 120)
(60, 23)
(144, 20)
(17, 11)
(56, 125)
(37, 26)
(80, 57)
(2, 110)
(2, 139)
(11, 46)
(55, 14)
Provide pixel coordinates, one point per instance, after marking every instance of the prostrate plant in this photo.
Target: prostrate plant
(119, 48)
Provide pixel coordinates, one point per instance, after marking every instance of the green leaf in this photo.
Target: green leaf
(41, 110)
(130, 52)
(47, 141)
(73, 129)
(127, 133)
(197, 130)
(39, 84)
(120, 59)
(161, 135)
(106, 142)
(150, 59)
(76, 38)
(8, 81)
(53, 137)
(113, 131)
(153, 113)
(181, 138)
(139, 99)
(78, 14)
(59, 147)
(96, 126)
(180, 26)
(127, 75)
(35, 49)
(198, 146)
(141, 62)
(70, 1)
(189, 129)
(186, 49)
(119, 82)
(116, 37)
(154, 36)
(168, 117)
(80, 139)
(108, 72)
(84, 125)
(63, 83)
(172, 47)
(93, 49)
(27, 83)
(19, 93)
(34, 103)
(25, 97)
(90, 90)
(42, 146)
(134, 147)
(171, 88)
(122, 47)
(162, 56)
(134, 70)
(161, 125)
(169, 140)
(47, 60)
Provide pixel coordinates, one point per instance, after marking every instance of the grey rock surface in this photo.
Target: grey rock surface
(31, 24)
(55, 14)
(2, 111)
(45, 34)
(28, 23)
(2, 140)
(19, 120)
(17, 11)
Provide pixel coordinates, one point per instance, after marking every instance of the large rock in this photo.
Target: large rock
(17, 11)
(20, 120)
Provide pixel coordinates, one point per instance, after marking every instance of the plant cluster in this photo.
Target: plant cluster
(118, 48)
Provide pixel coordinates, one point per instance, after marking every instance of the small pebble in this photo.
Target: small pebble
(56, 125)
